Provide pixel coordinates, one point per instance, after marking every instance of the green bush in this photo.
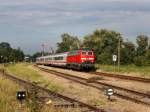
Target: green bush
(105, 58)
(140, 60)
(148, 58)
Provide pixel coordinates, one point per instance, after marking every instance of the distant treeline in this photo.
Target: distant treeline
(105, 43)
(8, 54)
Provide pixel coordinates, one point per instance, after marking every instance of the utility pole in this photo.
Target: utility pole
(52, 51)
(43, 49)
(119, 44)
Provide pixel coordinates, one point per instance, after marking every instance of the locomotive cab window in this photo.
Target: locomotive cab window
(83, 53)
(90, 53)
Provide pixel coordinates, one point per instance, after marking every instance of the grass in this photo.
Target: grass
(8, 102)
(143, 71)
(23, 71)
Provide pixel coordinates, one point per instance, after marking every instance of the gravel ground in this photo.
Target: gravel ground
(90, 95)
(133, 85)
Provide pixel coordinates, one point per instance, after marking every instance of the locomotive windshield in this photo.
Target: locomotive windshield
(87, 53)
(90, 53)
(83, 53)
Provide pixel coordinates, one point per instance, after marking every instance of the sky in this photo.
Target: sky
(30, 23)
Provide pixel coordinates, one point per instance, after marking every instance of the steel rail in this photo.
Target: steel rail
(84, 82)
(139, 79)
(71, 100)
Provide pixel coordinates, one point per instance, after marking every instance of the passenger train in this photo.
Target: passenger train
(82, 59)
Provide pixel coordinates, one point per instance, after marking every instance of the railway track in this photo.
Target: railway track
(139, 79)
(73, 103)
(120, 92)
(124, 77)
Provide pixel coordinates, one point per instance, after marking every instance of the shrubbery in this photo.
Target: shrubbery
(140, 60)
(8, 54)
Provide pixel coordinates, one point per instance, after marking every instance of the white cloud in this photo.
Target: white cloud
(75, 16)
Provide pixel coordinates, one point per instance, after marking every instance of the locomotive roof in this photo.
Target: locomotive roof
(81, 50)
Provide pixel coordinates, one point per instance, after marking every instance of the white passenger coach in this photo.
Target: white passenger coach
(56, 59)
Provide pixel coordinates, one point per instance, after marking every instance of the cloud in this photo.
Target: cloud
(42, 18)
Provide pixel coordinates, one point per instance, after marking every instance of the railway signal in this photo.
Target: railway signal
(109, 92)
(21, 95)
(114, 58)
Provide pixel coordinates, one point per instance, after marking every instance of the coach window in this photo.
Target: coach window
(59, 58)
(55, 58)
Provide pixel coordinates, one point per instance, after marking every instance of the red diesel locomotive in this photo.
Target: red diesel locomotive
(77, 59)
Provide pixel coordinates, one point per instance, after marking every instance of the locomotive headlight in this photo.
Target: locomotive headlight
(91, 58)
(83, 58)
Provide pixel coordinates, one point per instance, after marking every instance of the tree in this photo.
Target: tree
(5, 45)
(105, 44)
(8, 54)
(127, 53)
(35, 55)
(147, 55)
(19, 54)
(142, 52)
(5, 50)
(142, 42)
(38, 54)
(68, 43)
